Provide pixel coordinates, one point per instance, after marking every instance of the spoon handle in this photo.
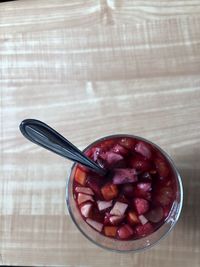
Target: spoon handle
(43, 135)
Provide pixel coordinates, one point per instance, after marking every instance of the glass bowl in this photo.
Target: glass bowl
(129, 245)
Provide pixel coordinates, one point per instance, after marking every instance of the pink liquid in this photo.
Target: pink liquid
(136, 196)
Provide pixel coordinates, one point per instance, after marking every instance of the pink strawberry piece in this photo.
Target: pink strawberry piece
(86, 209)
(162, 167)
(83, 198)
(96, 225)
(122, 176)
(144, 149)
(142, 219)
(112, 158)
(141, 164)
(142, 194)
(102, 205)
(84, 190)
(155, 215)
(119, 209)
(141, 205)
(143, 230)
(115, 220)
(128, 190)
(125, 232)
(144, 187)
(120, 150)
(96, 152)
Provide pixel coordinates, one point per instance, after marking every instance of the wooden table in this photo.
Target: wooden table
(89, 69)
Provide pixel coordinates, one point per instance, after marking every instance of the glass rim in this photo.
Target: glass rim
(180, 185)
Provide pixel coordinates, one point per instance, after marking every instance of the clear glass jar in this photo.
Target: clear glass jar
(129, 245)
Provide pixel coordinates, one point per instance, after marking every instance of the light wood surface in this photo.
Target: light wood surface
(89, 69)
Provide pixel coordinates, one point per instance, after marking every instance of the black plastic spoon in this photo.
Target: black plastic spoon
(43, 135)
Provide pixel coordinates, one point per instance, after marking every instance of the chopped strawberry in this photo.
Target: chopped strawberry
(144, 187)
(143, 230)
(141, 205)
(128, 190)
(110, 231)
(125, 232)
(94, 182)
(112, 158)
(103, 205)
(109, 191)
(108, 144)
(142, 219)
(141, 164)
(115, 220)
(84, 190)
(155, 215)
(132, 218)
(144, 149)
(86, 209)
(119, 209)
(162, 167)
(80, 176)
(164, 196)
(83, 198)
(120, 150)
(142, 194)
(127, 143)
(96, 225)
(122, 176)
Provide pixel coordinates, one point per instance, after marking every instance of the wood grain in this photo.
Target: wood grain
(89, 69)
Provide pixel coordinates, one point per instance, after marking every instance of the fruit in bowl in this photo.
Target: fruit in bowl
(136, 196)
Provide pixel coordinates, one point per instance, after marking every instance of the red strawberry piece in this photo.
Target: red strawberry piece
(139, 163)
(155, 215)
(96, 225)
(122, 176)
(144, 187)
(127, 143)
(144, 149)
(120, 150)
(162, 167)
(84, 190)
(142, 219)
(80, 176)
(164, 196)
(103, 205)
(115, 220)
(125, 232)
(133, 218)
(109, 191)
(141, 205)
(142, 194)
(95, 184)
(83, 198)
(119, 209)
(128, 190)
(144, 230)
(112, 158)
(110, 231)
(86, 209)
